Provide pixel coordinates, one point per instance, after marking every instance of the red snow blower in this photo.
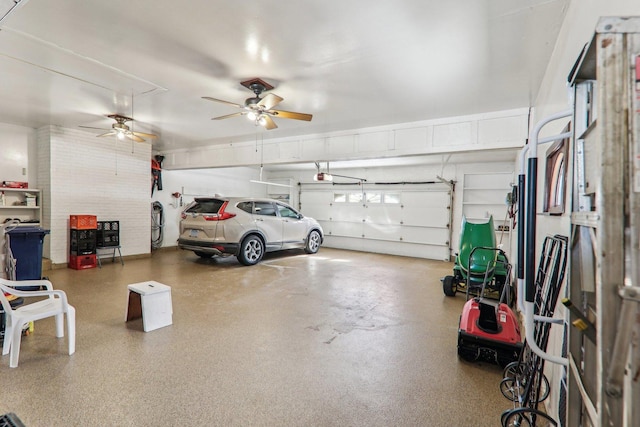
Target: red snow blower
(488, 329)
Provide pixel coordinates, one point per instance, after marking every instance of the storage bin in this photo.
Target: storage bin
(83, 222)
(82, 242)
(108, 234)
(81, 262)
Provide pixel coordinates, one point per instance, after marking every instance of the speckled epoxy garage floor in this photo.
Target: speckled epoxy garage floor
(339, 338)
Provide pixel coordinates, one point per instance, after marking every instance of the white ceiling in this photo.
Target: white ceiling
(350, 63)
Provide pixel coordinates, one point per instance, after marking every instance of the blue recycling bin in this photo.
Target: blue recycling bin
(26, 246)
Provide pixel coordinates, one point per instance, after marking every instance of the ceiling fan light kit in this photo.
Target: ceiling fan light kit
(122, 131)
(260, 110)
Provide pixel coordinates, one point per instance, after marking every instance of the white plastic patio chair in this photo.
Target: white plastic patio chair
(15, 319)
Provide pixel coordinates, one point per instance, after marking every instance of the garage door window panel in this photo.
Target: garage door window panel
(354, 197)
(374, 197)
(391, 198)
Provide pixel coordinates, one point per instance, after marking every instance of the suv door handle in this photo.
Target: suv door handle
(259, 219)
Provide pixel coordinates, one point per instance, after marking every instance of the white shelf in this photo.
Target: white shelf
(15, 206)
(19, 190)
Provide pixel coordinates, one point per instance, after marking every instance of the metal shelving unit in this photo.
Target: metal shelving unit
(603, 286)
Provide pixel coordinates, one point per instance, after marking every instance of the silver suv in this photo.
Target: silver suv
(246, 228)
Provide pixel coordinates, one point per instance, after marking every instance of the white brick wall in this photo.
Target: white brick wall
(43, 181)
(85, 175)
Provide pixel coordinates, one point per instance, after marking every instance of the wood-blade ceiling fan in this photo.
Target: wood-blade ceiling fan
(121, 130)
(260, 110)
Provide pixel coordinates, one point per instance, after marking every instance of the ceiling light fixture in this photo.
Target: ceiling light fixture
(277, 184)
(260, 181)
(258, 118)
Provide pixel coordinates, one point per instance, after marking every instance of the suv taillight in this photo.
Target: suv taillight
(220, 216)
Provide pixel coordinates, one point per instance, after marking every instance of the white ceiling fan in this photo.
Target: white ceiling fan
(121, 130)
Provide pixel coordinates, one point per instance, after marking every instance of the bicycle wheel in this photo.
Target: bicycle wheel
(527, 417)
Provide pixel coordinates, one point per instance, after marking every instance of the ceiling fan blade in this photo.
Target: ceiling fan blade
(269, 123)
(92, 127)
(112, 132)
(270, 101)
(133, 137)
(228, 116)
(223, 101)
(145, 135)
(291, 115)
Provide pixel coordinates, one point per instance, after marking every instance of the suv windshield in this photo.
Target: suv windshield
(210, 206)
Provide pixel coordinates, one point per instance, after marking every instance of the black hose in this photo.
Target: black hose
(157, 225)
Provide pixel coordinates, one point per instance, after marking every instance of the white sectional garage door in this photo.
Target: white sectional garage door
(406, 219)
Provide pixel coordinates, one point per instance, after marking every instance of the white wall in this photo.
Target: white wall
(554, 93)
(201, 182)
(80, 174)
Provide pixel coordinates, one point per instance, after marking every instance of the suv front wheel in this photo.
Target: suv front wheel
(313, 242)
(251, 250)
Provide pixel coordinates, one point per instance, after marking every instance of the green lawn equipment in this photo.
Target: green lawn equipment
(488, 329)
(479, 266)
